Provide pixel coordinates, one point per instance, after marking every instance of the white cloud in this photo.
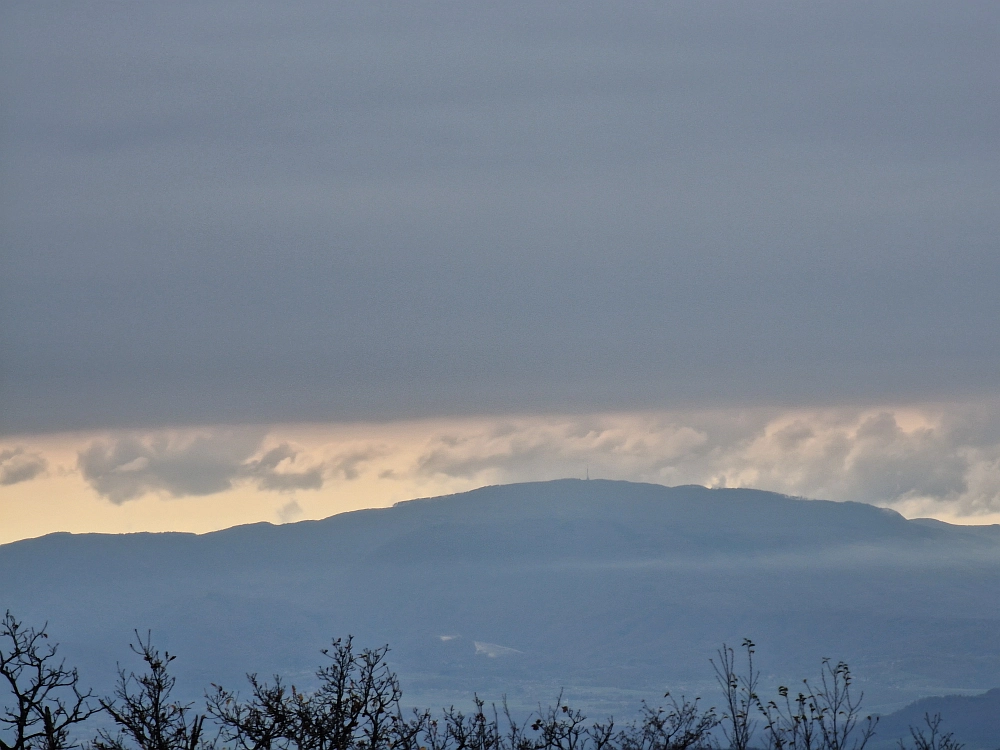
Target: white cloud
(928, 458)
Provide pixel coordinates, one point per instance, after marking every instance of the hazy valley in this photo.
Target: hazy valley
(611, 590)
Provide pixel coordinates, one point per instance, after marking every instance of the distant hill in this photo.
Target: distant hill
(613, 590)
(974, 720)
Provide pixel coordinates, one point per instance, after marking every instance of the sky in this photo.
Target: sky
(271, 262)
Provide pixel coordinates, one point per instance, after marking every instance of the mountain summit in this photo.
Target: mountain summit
(613, 590)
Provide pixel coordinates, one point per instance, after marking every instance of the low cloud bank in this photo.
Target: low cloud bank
(920, 460)
(941, 461)
(128, 467)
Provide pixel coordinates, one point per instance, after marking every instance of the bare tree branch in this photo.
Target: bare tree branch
(43, 698)
(141, 708)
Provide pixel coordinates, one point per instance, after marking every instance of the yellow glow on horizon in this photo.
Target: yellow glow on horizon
(61, 500)
(368, 465)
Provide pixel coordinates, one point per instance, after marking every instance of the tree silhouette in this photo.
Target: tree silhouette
(356, 706)
(740, 692)
(46, 700)
(823, 715)
(933, 740)
(143, 712)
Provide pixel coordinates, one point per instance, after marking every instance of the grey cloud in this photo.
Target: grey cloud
(354, 212)
(289, 512)
(203, 464)
(18, 465)
(542, 449)
(944, 463)
(348, 464)
(264, 471)
(518, 456)
(890, 464)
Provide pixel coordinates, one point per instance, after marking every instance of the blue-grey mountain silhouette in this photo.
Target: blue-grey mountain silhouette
(613, 590)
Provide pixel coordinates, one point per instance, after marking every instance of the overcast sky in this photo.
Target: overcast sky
(229, 213)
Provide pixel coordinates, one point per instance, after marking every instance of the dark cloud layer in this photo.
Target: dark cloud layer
(230, 213)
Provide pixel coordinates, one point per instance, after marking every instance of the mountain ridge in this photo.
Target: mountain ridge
(474, 495)
(613, 590)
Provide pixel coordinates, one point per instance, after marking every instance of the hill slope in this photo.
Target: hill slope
(974, 720)
(612, 589)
